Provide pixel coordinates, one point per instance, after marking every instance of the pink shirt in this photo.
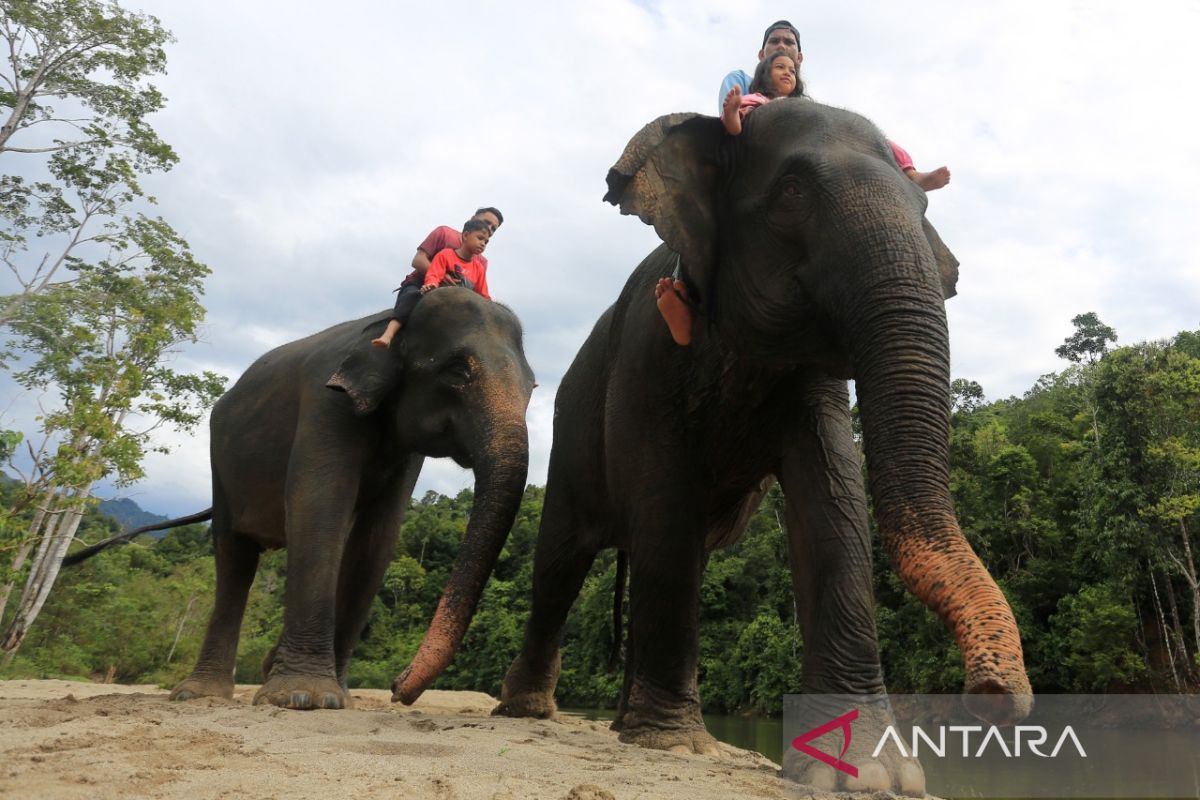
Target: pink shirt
(755, 99)
(750, 102)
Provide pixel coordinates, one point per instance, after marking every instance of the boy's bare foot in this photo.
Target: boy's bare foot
(931, 180)
(389, 333)
(729, 111)
(672, 297)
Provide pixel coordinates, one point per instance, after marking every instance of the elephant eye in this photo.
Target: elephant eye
(457, 370)
(792, 205)
(791, 191)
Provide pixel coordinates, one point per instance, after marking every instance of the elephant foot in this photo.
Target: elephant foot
(697, 741)
(888, 772)
(874, 775)
(302, 692)
(196, 686)
(660, 719)
(527, 692)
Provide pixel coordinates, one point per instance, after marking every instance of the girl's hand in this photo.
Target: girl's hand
(427, 288)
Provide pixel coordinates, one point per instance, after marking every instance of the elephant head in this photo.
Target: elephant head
(806, 246)
(457, 384)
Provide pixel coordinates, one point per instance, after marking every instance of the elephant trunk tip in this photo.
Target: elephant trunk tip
(433, 656)
(994, 701)
(402, 691)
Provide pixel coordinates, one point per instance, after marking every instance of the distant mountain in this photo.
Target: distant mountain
(125, 511)
(129, 514)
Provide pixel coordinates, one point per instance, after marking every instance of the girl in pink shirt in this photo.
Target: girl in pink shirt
(779, 76)
(776, 76)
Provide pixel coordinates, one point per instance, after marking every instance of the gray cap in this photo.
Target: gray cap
(783, 23)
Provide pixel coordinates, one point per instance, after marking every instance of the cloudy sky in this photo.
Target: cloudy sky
(320, 143)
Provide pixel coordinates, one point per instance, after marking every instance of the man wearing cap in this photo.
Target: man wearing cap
(444, 236)
(782, 37)
(670, 293)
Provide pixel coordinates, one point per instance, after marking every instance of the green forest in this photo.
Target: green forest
(1082, 497)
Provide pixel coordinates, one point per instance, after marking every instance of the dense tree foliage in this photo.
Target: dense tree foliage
(95, 295)
(1082, 497)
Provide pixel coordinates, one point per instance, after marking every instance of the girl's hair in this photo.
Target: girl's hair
(761, 82)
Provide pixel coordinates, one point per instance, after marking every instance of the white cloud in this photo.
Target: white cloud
(320, 144)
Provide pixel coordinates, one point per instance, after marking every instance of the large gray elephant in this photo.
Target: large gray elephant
(811, 262)
(329, 475)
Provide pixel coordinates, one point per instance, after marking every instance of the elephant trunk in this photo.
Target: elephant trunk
(500, 472)
(902, 382)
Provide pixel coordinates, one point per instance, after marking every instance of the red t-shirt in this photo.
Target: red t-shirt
(438, 240)
(443, 268)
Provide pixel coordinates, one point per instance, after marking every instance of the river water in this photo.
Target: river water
(1159, 767)
(764, 734)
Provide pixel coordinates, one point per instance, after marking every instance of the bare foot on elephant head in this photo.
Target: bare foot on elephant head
(929, 181)
(730, 118)
(672, 304)
(389, 333)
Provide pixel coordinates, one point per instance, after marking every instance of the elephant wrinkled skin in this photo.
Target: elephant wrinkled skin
(329, 474)
(809, 255)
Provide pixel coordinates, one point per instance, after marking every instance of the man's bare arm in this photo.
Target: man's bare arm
(421, 261)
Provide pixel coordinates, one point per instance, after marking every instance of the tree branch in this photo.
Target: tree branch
(1183, 571)
(56, 149)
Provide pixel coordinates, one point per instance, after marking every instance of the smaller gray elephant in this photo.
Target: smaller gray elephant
(329, 474)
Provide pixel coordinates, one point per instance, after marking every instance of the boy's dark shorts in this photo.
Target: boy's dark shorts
(406, 300)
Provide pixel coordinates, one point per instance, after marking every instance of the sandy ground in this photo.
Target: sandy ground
(77, 740)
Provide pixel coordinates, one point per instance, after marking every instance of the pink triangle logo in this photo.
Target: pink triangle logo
(842, 722)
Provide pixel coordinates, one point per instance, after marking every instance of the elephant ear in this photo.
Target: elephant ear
(947, 264)
(667, 177)
(368, 374)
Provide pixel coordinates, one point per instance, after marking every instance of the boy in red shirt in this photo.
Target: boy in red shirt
(450, 267)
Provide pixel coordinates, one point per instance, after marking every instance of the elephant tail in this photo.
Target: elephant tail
(125, 538)
(618, 609)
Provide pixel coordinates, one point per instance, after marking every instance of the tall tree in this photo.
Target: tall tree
(73, 138)
(100, 342)
(1089, 342)
(101, 292)
(1084, 349)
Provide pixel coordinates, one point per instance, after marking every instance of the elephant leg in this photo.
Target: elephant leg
(661, 704)
(369, 552)
(561, 561)
(319, 508)
(236, 561)
(830, 551)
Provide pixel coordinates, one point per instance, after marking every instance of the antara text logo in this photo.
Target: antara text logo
(1027, 739)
